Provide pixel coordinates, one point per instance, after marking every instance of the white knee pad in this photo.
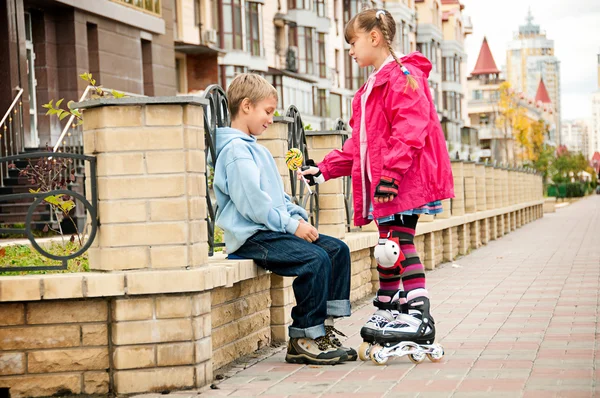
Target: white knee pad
(386, 253)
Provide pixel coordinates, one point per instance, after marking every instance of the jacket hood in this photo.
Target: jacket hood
(415, 62)
(227, 134)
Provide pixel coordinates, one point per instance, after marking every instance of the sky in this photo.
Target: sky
(574, 25)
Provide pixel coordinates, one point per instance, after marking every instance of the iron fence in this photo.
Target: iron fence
(297, 139)
(58, 199)
(216, 114)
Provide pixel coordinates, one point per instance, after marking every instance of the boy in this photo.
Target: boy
(261, 223)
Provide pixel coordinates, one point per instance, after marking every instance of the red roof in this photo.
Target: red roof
(453, 2)
(596, 157)
(485, 63)
(542, 93)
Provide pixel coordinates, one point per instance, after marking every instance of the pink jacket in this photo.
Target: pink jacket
(405, 142)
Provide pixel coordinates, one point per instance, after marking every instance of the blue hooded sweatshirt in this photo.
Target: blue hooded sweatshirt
(249, 190)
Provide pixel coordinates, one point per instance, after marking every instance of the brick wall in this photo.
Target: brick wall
(161, 342)
(241, 319)
(54, 346)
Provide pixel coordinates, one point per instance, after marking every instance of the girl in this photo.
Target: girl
(400, 169)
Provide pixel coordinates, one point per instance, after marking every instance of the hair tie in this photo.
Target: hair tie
(404, 70)
(379, 13)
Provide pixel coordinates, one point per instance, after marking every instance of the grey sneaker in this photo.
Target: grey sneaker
(319, 351)
(331, 335)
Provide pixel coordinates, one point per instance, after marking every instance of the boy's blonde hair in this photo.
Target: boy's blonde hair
(248, 85)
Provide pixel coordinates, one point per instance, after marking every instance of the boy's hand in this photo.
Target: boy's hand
(307, 232)
(312, 173)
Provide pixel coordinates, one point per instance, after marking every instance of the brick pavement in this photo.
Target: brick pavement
(517, 318)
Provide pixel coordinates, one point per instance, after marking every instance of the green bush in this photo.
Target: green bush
(569, 189)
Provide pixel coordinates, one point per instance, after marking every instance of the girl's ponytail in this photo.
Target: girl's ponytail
(382, 17)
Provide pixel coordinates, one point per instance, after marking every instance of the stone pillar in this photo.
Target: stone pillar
(506, 191)
(498, 188)
(430, 249)
(490, 187)
(151, 180)
(484, 225)
(451, 243)
(470, 187)
(275, 139)
(161, 341)
(458, 202)
(332, 213)
(447, 209)
(493, 224)
(282, 301)
(514, 185)
(464, 238)
(475, 234)
(480, 187)
(521, 194)
(500, 224)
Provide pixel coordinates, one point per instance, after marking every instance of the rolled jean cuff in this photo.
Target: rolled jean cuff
(338, 308)
(312, 332)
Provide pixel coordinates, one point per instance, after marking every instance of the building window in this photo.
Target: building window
(276, 81)
(321, 8)
(477, 95)
(451, 105)
(351, 8)
(405, 39)
(434, 56)
(451, 69)
(228, 72)
(322, 62)
(433, 88)
(151, 6)
(337, 68)
(335, 106)
(355, 76)
(300, 4)
(302, 38)
(253, 28)
(181, 73)
(147, 66)
(231, 21)
(321, 102)
(197, 13)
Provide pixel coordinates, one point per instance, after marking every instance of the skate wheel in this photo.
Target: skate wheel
(437, 354)
(417, 357)
(376, 355)
(364, 350)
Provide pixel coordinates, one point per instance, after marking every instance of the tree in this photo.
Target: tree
(512, 120)
(539, 131)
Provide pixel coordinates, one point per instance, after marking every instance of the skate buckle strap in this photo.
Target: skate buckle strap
(391, 306)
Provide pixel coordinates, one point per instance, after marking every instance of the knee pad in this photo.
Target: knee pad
(388, 254)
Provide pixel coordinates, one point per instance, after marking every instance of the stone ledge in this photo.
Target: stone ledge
(454, 221)
(168, 100)
(219, 272)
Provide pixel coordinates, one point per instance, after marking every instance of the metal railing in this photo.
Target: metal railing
(342, 127)
(12, 133)
(51, 201)
(297, 139)
(216, 114)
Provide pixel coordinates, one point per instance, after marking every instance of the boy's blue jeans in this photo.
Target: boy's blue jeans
(322, 268)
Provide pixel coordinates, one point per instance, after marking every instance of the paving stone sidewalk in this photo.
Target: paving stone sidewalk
(517, 318)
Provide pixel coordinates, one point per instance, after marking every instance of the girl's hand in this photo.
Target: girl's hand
(384, 199)
(386, 190)
(311, 173)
